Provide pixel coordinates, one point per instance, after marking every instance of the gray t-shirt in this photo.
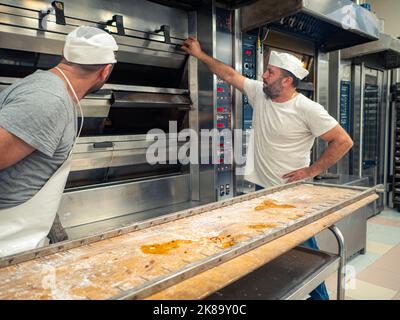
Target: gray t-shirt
(38, 110)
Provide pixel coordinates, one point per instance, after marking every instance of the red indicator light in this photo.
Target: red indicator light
(219, 109)
(221, 160)
(220, 125)
(220, 89)
(248, 52)
(221, 144)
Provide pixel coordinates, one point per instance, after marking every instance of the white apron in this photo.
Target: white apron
(26, 226)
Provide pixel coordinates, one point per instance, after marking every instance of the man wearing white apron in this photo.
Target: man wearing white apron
(38, 128)
(285, 125)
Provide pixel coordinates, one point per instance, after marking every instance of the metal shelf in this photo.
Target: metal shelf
(291, 276)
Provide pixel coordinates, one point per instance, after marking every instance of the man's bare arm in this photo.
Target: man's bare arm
(339, 143)
(223, 71)
(12, 149)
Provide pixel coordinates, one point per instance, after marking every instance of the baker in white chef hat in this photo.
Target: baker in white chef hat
(89, 55)
(283, 75)
(44, 139)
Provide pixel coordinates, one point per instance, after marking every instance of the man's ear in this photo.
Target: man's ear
(287, 81)
(105, 72)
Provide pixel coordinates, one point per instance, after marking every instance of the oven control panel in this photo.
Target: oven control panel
(223, 107)
(249, 43)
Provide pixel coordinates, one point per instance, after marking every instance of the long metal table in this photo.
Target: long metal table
(110, 265)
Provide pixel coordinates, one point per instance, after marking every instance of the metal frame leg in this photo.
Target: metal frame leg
(342, 254)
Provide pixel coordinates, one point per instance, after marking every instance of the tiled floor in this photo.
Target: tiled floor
(376, 274)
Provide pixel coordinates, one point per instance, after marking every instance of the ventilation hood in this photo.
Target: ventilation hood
(196, 4)
(383, 53)
(330, 24)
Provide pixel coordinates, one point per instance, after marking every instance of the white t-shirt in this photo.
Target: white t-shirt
(283, 135)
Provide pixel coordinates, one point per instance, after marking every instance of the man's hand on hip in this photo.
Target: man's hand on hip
(303, 173)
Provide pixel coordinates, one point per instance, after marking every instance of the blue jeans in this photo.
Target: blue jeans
(320, 292)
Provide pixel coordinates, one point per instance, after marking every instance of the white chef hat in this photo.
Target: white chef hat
(288, 62)
(89, 45)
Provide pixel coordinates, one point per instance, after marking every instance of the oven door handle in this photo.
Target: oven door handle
(103, 145)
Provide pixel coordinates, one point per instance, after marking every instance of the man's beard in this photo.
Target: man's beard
(273, 90)
(97, 86)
